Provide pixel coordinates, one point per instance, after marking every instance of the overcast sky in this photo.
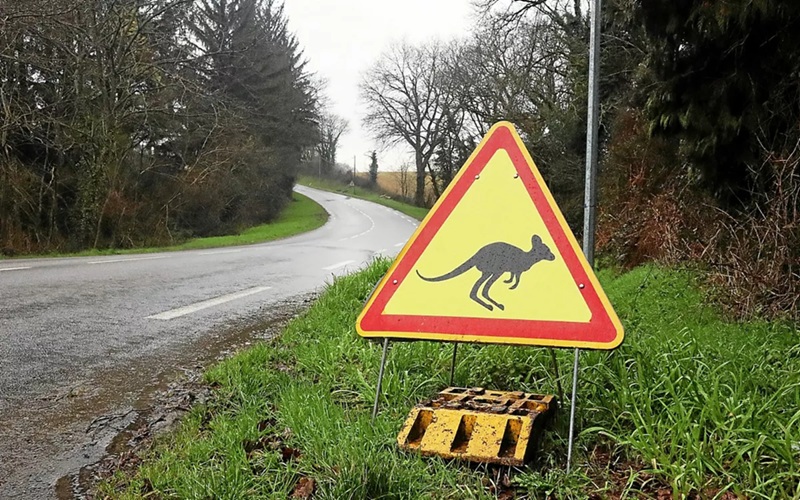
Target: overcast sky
(342, 38)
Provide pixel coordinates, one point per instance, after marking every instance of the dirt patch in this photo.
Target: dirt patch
(105, 421)
(126, 447)
(168, 404)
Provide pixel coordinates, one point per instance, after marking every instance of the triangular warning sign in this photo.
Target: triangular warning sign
(494, 261)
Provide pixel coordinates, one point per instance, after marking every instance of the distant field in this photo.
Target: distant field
(395, 184)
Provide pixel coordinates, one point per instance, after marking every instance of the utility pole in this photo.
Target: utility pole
(590, 193)
(354, 174)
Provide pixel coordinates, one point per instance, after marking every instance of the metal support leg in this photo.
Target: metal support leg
(380, 379)
(453, 364)
(558, 376)
(572, 409)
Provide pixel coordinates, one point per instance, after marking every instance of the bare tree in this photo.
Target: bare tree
(403, 180)
(528, 72)
(564, 13)
(405, 102)
(331, 128)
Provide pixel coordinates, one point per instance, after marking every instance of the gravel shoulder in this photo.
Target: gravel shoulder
(58, 445)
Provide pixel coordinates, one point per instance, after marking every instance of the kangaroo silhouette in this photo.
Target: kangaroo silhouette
(494, 260)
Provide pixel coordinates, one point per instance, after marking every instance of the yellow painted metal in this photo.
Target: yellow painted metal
(478, 425)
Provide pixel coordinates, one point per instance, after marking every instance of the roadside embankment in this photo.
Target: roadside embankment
(301, 215)
(689, 406)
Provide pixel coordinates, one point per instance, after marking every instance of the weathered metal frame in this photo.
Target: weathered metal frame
(380, 379)
(382, 368)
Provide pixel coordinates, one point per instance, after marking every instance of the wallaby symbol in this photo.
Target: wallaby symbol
(494, 260)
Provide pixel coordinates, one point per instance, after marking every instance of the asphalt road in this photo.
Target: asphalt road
(81, 338)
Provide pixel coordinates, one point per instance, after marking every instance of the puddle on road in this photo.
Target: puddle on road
(63, 440)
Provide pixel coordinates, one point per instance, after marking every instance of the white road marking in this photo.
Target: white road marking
(400, 244)
(183, 311)
(338, 265)
(126, 260)
(371, 227)
(216, 252)
(14, 269)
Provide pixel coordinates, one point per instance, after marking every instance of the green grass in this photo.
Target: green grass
(302, 214)
(689, 405)
(418, 213)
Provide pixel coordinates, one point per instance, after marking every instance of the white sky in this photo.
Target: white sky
(343, 38)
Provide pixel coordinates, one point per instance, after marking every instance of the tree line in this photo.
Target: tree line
(440, 98)
(700, 126)
(143, 122)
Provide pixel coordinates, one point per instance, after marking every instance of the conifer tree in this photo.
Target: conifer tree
(723, 78)
(373, 168)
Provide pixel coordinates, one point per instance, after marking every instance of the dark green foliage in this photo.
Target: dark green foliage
(454, 149)
(250, 61)
(373, 168)
(723, 77)
(702, 160)
(140, 122)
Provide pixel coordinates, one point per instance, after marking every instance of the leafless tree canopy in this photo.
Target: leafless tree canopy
(520, 64)
(405, 96)
(331, 128)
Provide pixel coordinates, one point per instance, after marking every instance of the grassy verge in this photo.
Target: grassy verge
(418, 213)
(690, 406)
(302, 214)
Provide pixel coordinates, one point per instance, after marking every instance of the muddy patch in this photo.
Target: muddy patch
(49, 441)
(123, 451)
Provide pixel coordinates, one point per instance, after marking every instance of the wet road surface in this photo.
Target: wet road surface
(89, 338)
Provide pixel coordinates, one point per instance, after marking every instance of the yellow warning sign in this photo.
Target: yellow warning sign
(543, 290)
(494, 261)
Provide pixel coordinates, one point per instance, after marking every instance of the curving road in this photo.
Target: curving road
(84, 337)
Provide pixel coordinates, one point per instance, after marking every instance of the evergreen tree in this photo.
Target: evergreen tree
(373, 168)
(723, 78)
(250, 59)
(135, 121)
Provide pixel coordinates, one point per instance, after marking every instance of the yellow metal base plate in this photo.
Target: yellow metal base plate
(477, 425)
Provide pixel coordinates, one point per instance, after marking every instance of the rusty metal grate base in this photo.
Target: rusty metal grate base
(478, 425)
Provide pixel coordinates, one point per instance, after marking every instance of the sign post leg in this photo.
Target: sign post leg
(380, 379)
(558, 376)
(572, 409)
(453, 363)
